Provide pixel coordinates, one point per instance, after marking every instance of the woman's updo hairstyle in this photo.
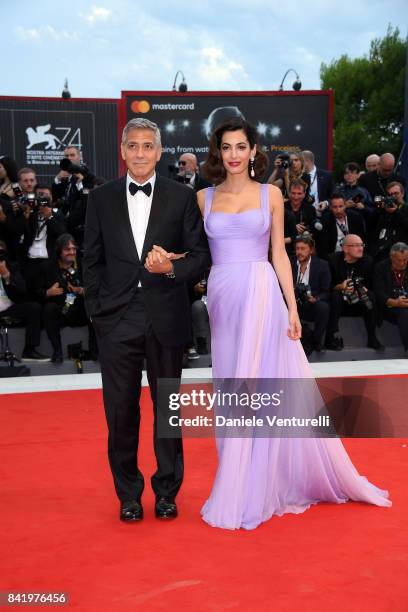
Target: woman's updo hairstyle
(213, 167)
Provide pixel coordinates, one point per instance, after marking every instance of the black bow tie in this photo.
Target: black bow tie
(147, 189)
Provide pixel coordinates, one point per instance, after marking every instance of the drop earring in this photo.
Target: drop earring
(251, 167)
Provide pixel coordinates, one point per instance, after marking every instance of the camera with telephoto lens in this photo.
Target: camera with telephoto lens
(302, 293)
(384, 201)
(67, 165)
(285, 161)
(359, 293)
(30, 199)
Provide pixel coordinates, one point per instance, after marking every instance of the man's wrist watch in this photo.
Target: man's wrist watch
(171, 273)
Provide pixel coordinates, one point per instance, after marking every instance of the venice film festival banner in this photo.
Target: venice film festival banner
(35, 132)
(286, 121)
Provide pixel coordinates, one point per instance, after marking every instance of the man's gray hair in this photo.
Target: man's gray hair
(399, 247)
(308, 155)
(142, 124)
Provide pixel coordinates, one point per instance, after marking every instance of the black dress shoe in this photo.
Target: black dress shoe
(131, 511)
(165, 508)
(334, 344)
(31, 354)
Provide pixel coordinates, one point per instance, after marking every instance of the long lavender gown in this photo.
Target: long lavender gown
(259, 477)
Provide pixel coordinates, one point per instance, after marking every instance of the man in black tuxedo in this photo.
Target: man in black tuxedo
(337, 223)
(311, 279)
(321, 181)
(137, 314)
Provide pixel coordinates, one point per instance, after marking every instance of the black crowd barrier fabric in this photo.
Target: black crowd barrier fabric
(35, 131)
(286, 121)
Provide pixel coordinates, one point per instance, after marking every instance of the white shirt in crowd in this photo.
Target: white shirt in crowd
(5, 302)
(38, 250)
(313, 185)
(303, 278)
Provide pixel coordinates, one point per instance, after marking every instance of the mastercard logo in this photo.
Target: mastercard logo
(140, 106)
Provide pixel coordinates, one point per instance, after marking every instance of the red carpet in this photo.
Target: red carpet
(60, 528)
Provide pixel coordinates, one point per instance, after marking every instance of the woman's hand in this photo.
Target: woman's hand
(295, 328)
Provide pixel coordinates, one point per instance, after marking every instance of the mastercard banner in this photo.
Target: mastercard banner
(285, 121)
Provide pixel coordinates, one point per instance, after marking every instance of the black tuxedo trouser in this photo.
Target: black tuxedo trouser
(399, 317)
(318, 313)
(121, 353)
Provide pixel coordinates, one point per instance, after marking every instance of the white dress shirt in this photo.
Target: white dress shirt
(139, 206)
(303, 278)
(313, 185)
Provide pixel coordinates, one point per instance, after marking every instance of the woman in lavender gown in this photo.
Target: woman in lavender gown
(256, 335)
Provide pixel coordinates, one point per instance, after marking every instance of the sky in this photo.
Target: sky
(107, 46)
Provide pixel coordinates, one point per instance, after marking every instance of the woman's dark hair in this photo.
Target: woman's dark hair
(10, 167)
(351, 167)
(213, 167)
(62, 242)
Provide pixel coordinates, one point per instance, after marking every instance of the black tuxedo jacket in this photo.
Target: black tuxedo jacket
(325, 184)
(328, 235)
(112, 268)
(319, 277)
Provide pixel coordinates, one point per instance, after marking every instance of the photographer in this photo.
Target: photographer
(376, 182)
(391, 290)
(311, 277)
(337, 223)
(43, 225)
(70, 189)
(287, 169)
(27, 179)
(8, 176)
(63, 295)
(351, 294)
(12, 296)
(356, 197)
(305, 213)
(391, 222)
(189, 172)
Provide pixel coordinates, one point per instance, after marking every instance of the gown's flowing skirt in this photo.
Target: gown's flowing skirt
(259, 477)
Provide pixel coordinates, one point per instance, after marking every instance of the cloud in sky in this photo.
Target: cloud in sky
(224, 44)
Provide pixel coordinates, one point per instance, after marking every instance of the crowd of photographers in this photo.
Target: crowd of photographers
(348, 245)
(41, 242)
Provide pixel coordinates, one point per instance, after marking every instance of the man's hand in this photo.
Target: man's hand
(3, 217)
(199, 289)
(62, 175)
(402, 301)
(76, 290)
(300, 228)
(54, 290)
(46, 212)
(158, 260)
(312, 299)
(79, 177)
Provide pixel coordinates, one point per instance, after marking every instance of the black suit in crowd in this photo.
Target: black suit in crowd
(29, 312)
(306, 214)
(376, 184)
(340, 271)
(325, 184)
(319, 282)
(387, 285)
(328, 236)
(37, 267)
(389, 228)
(133, 323)
(12, 228)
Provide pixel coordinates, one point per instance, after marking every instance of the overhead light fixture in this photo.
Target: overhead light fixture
(297, 85)
(66, 94)
(183, 85)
